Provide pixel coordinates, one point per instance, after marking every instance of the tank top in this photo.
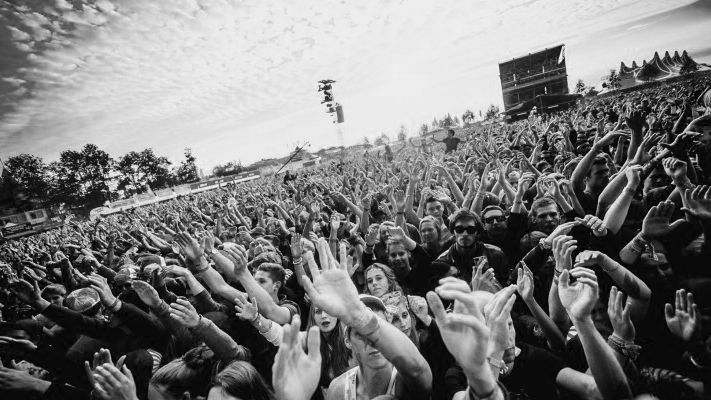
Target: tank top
(350, 392)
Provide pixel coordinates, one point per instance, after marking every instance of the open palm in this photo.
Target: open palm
(295, 374)
(464, 332)
(578, 298)
(682, 319)
(333, 291)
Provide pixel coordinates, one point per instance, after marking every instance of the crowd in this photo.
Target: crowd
(562, 256)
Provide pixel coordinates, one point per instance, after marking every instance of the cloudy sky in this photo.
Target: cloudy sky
(236, 80)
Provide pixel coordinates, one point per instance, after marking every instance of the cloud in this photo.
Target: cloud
(236, 80)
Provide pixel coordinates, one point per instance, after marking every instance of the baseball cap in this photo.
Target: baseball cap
(81, 300)
(374, 303)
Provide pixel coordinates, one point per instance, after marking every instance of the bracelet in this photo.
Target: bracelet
(366, 324)
(199, 271)
(113, 304)
(298, 261)
(488, 396)
(256, 318)
(627, 349)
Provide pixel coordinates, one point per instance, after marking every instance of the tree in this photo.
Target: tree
(366, 141)
(229, 168)
(30, 175)
(187, 171)
(447, 121)
(424, 129)
(612, 80)
(580, 87)
(402, 133)
(492, 112)
(456, 120)
(143, 168)
(468, 117)
(381, 140)
(81, 178)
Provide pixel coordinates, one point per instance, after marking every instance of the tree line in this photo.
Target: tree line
(88, 177)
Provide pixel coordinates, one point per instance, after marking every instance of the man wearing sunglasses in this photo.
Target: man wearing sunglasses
(460, 258)
(502, 231)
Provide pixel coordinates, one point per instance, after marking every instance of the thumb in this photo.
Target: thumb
(668, 311)
(676, 223)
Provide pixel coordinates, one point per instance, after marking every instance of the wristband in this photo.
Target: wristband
(298, 261)
(366, 324)
(115, 306)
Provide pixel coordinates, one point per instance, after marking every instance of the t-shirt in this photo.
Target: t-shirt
(534, 374)
(451, 143)
(289, 305)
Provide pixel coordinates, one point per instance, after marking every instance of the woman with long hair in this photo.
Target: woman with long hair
(380, 280)
(334, 353)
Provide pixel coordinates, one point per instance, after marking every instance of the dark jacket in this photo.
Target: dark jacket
(464, 265)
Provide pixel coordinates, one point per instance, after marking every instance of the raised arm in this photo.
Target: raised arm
(579, 299)
(333, 291)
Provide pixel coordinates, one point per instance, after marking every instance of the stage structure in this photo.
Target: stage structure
(538, 80)
(325, 87)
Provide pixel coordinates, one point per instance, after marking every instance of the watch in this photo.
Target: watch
(544, 245)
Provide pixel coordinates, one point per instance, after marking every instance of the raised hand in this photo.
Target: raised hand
(464, 331)
(146, 293)
(578, 298)
(295, 374)
(697, 202)
(595, 224)
(563, 248)
(657, 222)
(419, 307)
(112, 383)
(399, 197)
(680, 146)
(12, 346)
(525, 283)
(634, 176)
(619, 313)
(332, 290)
(101, 357)
(238, 257)
(497, 313)
(396, 234)
(683, 319)
(674, 168)
(25, 291)
(609, 138)
(483, 277)
(184, 312)
(561, 229)
(372, 236)
(99, 283)
(244, 309)
(190, 248)
(295, 245)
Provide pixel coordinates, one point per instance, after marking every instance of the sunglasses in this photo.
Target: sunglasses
(468, 229)
(492, 220)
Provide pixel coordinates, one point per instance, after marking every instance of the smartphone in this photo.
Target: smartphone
(479, 260)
